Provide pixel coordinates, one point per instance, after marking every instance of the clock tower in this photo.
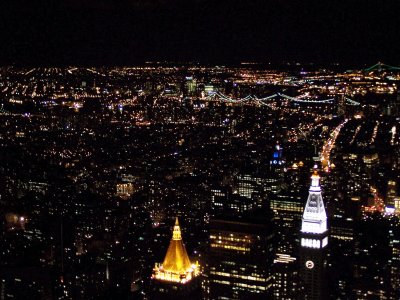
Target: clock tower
(314, 243)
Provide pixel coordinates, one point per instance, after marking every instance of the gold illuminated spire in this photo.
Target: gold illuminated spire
(176, 259)
(176, 235)
(176, 265)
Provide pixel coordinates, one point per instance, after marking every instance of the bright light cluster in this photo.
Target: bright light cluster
(160, 273)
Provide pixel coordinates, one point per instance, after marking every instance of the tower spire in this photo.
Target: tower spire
(176, 265)
(176, 235)
(314, 242)
(314, 215)
(176, 277)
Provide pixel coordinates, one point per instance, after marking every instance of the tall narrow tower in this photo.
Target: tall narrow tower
(342, 104)
(176, 277)
(314, 242)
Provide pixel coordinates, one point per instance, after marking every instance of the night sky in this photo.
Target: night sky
(126, 32)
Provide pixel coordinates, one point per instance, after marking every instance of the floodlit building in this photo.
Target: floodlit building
(176, 277)
(314, 242)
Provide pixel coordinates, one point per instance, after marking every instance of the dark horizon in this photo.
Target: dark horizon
(104, 33)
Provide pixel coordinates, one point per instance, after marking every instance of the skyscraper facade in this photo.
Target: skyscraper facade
(239, 258)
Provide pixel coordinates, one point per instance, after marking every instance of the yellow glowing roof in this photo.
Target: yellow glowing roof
(315, 175)
(176, 260)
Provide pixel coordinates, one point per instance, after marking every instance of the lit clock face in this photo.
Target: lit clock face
(309, 264)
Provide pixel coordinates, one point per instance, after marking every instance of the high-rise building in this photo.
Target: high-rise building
(288, 207)
(239, 258)
(393, 107)
(25, 282)
(343, 213)
(341, 106)
(341, 251)
(249, 186)
(391, 193)
(314, 242)
(177, 277)
(125, 190)
(247, 196)
(190, 87)
(373, 258)
(286, 278)
(394, 244)
(275, 178)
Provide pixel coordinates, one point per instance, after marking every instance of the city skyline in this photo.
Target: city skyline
(200, 149)
(96, 164)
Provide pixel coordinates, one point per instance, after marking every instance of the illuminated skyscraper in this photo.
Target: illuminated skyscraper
(249, 186)
(239, 259)
(391, 193)
(314, 242)
(286, 278)
(190, 86)
(275, 178)
(176, 277)
(277, 159)
(393, 107)
(288, 207)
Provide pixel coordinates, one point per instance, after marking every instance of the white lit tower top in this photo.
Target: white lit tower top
(314, 221)
(314, 242)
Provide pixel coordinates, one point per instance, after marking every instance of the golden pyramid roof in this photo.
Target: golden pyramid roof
(176, 260)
